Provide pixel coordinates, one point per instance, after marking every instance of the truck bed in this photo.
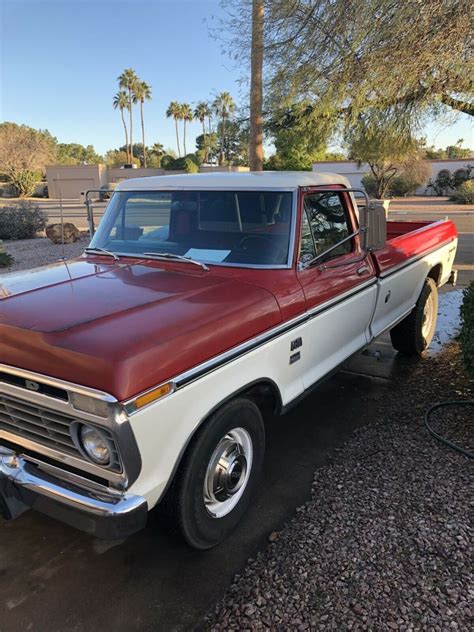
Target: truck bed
(409, 240)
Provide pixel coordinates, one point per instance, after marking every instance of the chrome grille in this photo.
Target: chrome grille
(44, 426)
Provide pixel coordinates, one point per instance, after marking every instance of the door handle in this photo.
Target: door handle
(362, 270)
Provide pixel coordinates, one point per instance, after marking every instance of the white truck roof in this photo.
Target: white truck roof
(256, 180)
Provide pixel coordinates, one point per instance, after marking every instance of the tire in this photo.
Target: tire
(414, 333)
(205, 510)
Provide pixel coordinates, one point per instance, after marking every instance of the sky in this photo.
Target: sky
(60, 60)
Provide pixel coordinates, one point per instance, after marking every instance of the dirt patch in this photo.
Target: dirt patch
(33, 253)
(383, 544)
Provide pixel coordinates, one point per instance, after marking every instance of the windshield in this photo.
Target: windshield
(222, 227)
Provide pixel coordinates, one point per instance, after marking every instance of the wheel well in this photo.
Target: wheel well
(266, 396)
(435, 273)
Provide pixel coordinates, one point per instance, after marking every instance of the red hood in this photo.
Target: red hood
(123, 328)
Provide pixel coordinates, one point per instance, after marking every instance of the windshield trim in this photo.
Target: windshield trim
(251, 266)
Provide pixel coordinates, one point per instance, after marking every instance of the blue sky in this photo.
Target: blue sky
(60, 60)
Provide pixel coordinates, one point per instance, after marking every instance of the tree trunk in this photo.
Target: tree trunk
(221, 152)
(206, 145)
(126, 133)
(130, 105)
(143, 134)
(177, 136)
(184, 137)
(256, 88)
(209, 139)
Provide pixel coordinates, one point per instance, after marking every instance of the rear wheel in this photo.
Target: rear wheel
(414, 333)
(219, 473)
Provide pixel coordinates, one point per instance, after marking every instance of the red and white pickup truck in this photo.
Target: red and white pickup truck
(205, 304)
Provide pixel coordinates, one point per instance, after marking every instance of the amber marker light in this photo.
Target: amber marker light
(149, 397)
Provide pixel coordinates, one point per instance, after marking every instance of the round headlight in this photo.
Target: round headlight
(95, 445)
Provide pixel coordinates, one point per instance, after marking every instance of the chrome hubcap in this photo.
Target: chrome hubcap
(228, 472)
(428, 317)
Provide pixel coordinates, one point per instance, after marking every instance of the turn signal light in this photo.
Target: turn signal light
(149, 397)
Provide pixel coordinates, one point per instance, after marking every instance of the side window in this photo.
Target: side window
(327, 219)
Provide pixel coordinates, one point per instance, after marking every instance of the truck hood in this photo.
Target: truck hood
(122, 327)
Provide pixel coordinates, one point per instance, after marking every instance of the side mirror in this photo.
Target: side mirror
(374, 233)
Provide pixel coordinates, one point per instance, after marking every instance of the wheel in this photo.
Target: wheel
(219, 473)
(414, 333)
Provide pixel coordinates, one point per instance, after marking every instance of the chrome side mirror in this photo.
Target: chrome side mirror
(374, 231)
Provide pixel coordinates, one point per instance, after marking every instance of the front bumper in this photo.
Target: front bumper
(24, 486)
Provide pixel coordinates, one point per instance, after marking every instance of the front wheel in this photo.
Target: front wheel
(219, 473)
(414, 333)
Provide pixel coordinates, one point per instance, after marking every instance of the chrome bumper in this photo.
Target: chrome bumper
(24, 486)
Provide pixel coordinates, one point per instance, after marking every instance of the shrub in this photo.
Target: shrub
(24, 182)
(402, 185)
(466, 336)
(21, 221)
(190, 166)
(464, 194)
(5, 259)
(369, 184)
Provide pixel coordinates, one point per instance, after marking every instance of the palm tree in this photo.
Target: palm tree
(121, 103)
(174, 111)
(186, 117)
(158, 150)
(256, 88)
(127, 81)
(142, 93)
(223, 106)
(201, 111)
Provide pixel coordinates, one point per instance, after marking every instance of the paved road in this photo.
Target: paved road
(55, 578)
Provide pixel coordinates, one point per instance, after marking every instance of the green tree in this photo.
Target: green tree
(207, 146)
(186, 115)
(24, 153)
(128, 81)
(201, 112)
(121, 103)
(174, 111)
(76, 154)
(157, 151)
(236, 148)
(224, 107)
(344, 58)
(142, 93)
(457, 151)
(377, 142)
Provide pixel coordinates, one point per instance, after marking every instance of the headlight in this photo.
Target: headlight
(95, 445)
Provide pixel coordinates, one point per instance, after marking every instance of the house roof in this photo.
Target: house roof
(257, 180)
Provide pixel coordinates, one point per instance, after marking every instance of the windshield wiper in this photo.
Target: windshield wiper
(102, 251)
(170, 255)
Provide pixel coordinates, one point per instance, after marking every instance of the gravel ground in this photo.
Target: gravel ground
(33, 253)
(384, 542)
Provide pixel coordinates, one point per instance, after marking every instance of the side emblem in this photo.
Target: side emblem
(32, 386)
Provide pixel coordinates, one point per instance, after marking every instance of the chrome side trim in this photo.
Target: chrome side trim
(52, 381)
(415, 258)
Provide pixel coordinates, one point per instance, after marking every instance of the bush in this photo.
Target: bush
(21, 221)
(24, 182)
(5, 259)
(464, 194)
(466, 336)
(190, 166)
(369, 184)
(402, 185)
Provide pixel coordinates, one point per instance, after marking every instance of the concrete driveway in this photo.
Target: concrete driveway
(55, 578)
